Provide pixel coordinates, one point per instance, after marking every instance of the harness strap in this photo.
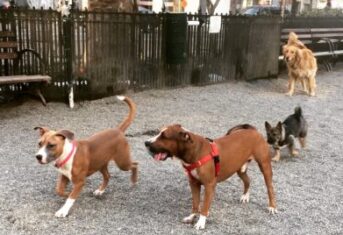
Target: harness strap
(213, 155)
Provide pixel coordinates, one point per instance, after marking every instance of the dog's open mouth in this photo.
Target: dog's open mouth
(161, 156)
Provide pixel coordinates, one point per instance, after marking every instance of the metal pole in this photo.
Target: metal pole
(283, 3)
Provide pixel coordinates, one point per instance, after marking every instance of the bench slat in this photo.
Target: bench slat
(327, 35)
(324, 53)
(326, 29)
(296, 30)
(8, 44)
(8, 55)
(6, 34)
(301, 36)
(24, 78)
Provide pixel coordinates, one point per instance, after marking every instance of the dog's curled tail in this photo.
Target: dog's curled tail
(240, 127)
(292, 36)
(298, 112)
(132, 113)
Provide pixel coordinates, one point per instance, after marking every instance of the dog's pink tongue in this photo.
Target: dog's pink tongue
(159, 156)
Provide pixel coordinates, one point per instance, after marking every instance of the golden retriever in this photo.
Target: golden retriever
(302, 65)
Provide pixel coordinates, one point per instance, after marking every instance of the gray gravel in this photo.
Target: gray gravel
(309, 188)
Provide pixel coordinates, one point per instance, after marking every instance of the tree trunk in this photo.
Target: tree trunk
(212, 7)
(202, 7)
(295, 7)
(135, 6)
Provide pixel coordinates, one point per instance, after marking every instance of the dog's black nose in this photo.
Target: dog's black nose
(39, 157)
(147, 143)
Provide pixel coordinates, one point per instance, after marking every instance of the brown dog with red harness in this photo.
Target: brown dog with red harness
(75, 160)
(208, 163)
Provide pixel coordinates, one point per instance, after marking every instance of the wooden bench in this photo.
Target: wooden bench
(10, 58)
(324, 42)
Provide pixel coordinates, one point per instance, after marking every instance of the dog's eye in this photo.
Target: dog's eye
(40, 144)
(50, 146)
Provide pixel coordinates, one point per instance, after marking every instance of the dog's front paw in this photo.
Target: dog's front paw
(98, 192)
(61, 213)
(312, 93)
(201, 223)
(189, 219)
(276, 158)
(295, 153)
(272, 210)
(245, 198)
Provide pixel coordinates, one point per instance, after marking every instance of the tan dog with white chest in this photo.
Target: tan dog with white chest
(210, 163)
(75, 160)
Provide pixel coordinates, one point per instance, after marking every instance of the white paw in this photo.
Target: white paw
(289, 93)
(201, 223)
(272, 210)
(189, 219)
(61, 212)
(245, 198)
(98, 192)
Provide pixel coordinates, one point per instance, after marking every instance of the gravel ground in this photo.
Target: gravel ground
(309, 188)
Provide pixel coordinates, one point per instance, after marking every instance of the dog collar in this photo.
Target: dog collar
(62, 163)
(213, 155)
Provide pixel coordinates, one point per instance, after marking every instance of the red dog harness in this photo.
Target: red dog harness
(62, 163)
(213, 155)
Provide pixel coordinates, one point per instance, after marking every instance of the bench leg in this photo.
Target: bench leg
(39, 93)
(71, 97)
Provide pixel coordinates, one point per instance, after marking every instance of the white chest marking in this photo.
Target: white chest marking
(67, 168)
(194, 172)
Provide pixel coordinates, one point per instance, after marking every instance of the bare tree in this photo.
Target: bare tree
(209, 6)
(295, 7)
(135, 6)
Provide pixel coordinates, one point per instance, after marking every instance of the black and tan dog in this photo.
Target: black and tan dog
(75, 160)
(208, 163)
(284, 134)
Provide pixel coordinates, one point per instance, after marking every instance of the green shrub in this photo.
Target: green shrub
(322, 12)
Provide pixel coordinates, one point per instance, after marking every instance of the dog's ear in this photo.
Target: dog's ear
(42, 130)
(185, 136)
(268, 126)
(297, 56)
(66, 134)
(284, 48)
(279, 126)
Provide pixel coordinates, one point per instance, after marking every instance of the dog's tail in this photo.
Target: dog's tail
(240, 127)
(298, 112)
(292, 36)
(132, 113)
(293, 40)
